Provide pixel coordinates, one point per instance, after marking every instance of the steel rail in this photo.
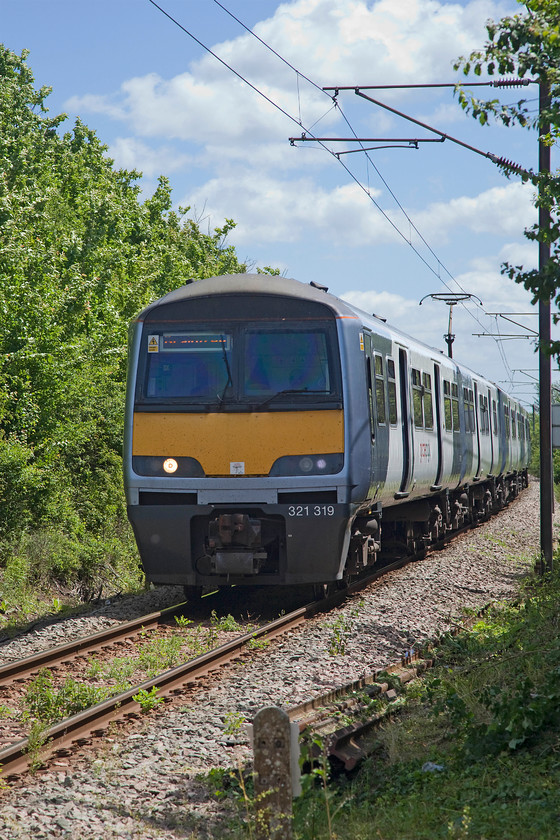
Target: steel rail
(14, 760)
(22, 668)
(78, 729)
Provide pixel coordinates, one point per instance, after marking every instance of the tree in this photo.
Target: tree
(527, 45)
(80, 255)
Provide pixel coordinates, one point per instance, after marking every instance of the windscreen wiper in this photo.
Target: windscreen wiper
(289, 391)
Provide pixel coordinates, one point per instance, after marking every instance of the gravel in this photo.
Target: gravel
(144, 783)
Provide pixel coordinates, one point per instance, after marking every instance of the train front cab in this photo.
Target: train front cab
(240, 478)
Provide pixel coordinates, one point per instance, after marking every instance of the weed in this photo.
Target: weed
(182, 621)
(120, 669)
(95, 669)
(257, 644)
(36, 740)
(341, 630)
(46, 704)
(233, 722)
(148, 700)
(227, 624)
(160, 654)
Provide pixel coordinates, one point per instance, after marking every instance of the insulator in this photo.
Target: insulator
(508, 164)
(510, 82)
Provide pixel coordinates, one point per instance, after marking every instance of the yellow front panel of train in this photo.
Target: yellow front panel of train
(257, 440)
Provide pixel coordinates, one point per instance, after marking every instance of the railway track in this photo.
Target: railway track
(77, 731)
(69, 735)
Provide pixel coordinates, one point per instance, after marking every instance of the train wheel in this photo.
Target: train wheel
(193, 593)
(321, 590)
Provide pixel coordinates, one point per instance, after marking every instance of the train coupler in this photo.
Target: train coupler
(234, 545)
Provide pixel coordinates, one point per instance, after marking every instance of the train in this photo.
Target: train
(276, 435)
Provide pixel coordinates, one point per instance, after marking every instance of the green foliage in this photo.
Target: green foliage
(341, 629)
(527, 46)
(258, 644)
(474, 753)
(80, 255)
(182, 621)
(160, 654)
(226, 623)
(45, 703)
(233, 723)
(148, 700)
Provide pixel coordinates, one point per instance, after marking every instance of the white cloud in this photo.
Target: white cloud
(281, 210)
(331, 41)
(387, 305)
(475, 343)
(502, 211)
(272, 210)
(524, 253)
(131, 153)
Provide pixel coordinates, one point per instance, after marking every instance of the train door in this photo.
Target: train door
(406, 425)
(476, 430)
(492, 432)
(370, 379)
(439, 428)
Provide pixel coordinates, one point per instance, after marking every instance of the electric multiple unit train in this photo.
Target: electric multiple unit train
(277, 435)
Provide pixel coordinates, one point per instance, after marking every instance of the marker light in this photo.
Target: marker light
(170, 465)
(324, 464)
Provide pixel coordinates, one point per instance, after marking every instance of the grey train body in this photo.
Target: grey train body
(277, 435)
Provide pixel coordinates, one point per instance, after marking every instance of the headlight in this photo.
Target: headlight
(308, 464)
(162, 466)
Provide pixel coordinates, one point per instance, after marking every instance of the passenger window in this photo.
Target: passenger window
(455, 407)
(371, 403)
(466, 408)
(494, 417)
(417, 398)
(472, 419)
(447, 405)
(483, 411)
(427, 398)
(380, 389)
(392, 392)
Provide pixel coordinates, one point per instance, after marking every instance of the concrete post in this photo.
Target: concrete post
(273, 774)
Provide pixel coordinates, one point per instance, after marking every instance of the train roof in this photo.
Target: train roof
(266, 284)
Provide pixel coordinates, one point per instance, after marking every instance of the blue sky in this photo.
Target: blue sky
(163, 105)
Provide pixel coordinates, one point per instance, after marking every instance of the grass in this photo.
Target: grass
(473, 753)
(476, 751)
(43, 574)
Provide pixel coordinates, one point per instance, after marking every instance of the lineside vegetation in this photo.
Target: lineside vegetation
(81, 252)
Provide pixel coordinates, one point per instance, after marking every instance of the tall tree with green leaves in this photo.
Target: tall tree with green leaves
(526, 45)
(80, 254)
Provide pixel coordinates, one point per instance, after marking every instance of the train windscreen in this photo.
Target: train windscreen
(251, 365)
(188, 365)
(285, 362)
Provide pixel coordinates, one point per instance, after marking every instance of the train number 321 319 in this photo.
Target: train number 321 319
(311, 510)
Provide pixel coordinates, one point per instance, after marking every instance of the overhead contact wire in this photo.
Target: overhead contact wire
(373, 164)
(333, 154)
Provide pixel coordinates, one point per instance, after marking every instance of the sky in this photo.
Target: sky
(382, 229)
